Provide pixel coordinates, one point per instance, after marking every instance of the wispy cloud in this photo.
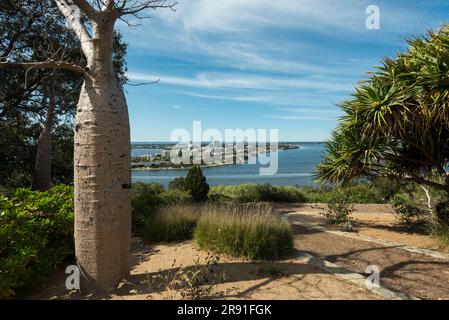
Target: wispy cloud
(238, 81)
(301, 118)
(314, 102)
(313, 110)
(296, 59)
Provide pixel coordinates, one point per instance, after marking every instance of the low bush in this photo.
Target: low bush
(148, 197)
(360, 193)
(386, 188)
(440, 231)
(172, 223)
(339, 208)
(246, 193)
(412, 215)
(251, 231)
(194, 184)
(172, 197)
(36, 235)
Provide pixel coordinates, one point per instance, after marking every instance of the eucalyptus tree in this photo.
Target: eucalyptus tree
(397, 122)
(102, 174)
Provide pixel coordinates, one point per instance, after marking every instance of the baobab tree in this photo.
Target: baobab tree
(102, 173)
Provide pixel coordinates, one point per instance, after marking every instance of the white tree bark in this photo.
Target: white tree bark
(429, 200)
(102, 163)
(102, 185)
(102, 160)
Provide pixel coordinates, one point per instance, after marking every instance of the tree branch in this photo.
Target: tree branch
(78, 27)
(44, 65)
(87, 8)
(138, 6)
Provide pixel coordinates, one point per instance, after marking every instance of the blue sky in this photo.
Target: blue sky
(282, 64)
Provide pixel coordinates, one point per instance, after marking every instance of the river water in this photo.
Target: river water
(295, 168)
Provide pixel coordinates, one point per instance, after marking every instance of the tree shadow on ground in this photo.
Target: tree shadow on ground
(234, 272)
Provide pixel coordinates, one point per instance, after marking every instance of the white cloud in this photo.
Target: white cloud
(243, 15)
(313, 110)
(301, 118)
(244, 81)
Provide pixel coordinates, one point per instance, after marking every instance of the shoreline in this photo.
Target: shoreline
(185, 168)
(203, 166)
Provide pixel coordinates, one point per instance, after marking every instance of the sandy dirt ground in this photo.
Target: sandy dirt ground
(414, 273)
(153, 266)
(372, 220)
(242, 279)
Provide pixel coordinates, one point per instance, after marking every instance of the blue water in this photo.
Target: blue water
(143, 152)
(295, 168)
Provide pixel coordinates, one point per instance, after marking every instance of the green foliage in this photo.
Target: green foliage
(440, 231)
(386, 187)
(36, 234)
(412, 215)
(396, 124)
(172, 197)
(178, 184)
(252, 231)
(172, 223)
(339, 208)
(360, 193)
(196, 185)
(34, 31)
(246, 193)
(146, 198)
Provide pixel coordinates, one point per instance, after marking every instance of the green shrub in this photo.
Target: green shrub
(172, 197)
(440, 231)
(338, 208)
(36, 234)
(269, 193)
(247, 193)
(253, 231)
(360, 193)
(412, 215)
(237, 193)
(386, 188)
(178, 184)
(219, 199)
(146, 199)
(196, 185)
(172, 223)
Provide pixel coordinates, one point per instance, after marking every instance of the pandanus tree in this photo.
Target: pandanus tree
(102, 175)
(397, 122)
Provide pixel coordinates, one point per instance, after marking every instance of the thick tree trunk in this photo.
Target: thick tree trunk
(102, 180)
(42, 166)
